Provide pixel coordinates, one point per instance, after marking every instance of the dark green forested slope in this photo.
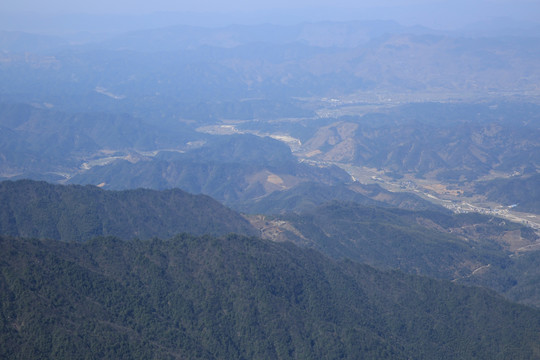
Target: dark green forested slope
(518, 279)
(38, 209)
(308, 195)
(240, 298)
(431, 243)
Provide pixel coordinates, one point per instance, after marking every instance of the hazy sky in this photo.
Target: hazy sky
(145, 6)
(433, 13)
(138, 6)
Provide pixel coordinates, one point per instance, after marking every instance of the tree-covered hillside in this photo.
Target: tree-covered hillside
(239, 298)
(308, 195)
(431, 243)
(73, 213)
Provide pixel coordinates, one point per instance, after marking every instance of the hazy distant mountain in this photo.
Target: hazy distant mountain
(167, 38)
(230, 169)
(236, 297)
(450, 142)
(21, 42)
(502, 27)
(319, 34)
(44, 140)
(521, 192)
(161, 69)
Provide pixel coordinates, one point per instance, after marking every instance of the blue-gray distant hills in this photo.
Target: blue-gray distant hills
(231, 169)
(519, 192)
(171, 69)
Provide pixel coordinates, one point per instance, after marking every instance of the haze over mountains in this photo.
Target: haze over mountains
(323, 59)
(360, 155)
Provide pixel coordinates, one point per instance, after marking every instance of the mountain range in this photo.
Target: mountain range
(324, 190)
(449, 142)
(79, 213)
(468, 248)
(165, 69)
(238, 297)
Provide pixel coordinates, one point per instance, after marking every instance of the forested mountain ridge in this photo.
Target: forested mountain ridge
(238, 297)
(466, 248)
(75, 213)
(521, 192)
(432, 243)
(428, 242)
(231, 169)
(447, 142)
(308, 195)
